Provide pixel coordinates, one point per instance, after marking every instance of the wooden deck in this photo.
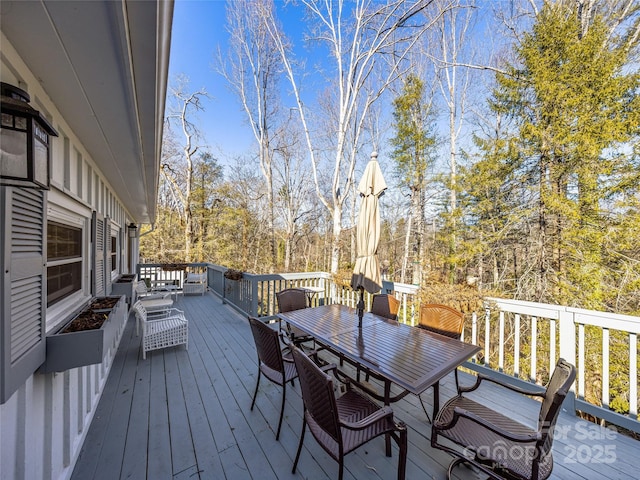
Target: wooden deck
(184, 414)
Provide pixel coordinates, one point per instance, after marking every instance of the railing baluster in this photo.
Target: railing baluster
(501, 342)
(516, 347)
(605, 367)
(534, 349)
(633, 376)
(552, 343)
(581, 369)
(487, 337)
(474, 331)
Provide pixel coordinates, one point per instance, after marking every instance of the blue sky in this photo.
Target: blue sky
(198, 29)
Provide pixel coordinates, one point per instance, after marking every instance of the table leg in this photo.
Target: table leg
(387, 436)
(436, 399)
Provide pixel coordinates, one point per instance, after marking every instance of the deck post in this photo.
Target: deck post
(567, 331)
(254, 296)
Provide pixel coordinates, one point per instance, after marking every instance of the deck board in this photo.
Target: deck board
(186, 414)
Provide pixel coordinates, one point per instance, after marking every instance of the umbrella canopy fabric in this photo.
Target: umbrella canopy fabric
(366, 273)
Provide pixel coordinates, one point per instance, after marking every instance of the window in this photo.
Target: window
(64, 261)
(114, 255)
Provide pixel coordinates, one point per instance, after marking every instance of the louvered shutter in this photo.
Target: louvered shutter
(98, 274)
(22, 287)
(107, 257)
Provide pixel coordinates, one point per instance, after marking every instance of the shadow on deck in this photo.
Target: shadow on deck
(185, 415)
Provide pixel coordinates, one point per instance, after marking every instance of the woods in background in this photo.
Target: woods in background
(513, 168)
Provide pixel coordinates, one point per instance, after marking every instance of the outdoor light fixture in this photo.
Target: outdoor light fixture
(133, 230)
(24, 141)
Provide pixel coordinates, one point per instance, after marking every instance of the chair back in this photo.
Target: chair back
(563, 376)
(385, 305)
(141, 288)
(291, 299)
(267, 345)
(140, 311)
(441, 319)
(317, 396)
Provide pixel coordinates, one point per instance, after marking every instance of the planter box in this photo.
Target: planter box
(71, 349)
(125, 285)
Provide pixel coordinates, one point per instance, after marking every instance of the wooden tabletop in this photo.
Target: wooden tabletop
(410, 357)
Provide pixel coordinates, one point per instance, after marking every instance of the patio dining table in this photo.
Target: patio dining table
(395, 353)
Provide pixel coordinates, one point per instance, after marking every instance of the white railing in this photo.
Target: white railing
(521, 341)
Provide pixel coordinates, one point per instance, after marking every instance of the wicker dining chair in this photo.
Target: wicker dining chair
(385, 305)
(495, 443)
(444, 320)
(341, 425)
(273, 362)
(288, 300)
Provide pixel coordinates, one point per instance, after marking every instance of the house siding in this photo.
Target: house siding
(44, 422)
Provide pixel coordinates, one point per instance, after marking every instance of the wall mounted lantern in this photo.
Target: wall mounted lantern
(133, 230)
(25, 150)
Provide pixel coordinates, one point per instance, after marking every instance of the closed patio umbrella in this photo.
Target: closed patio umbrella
(366, 273)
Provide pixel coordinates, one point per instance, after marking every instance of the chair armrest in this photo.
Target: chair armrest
(366, 422)
(329, 367)
(537, 392)
(167, 312)
(514, 437)
(154, 296)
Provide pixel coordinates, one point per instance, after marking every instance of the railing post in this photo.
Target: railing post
(254, 297)
(224, 289)
(567, 329)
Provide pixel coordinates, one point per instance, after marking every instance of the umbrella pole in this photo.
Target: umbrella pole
(360, 307)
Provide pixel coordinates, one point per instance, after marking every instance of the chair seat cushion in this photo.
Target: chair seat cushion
(276, 377)
(491, 448)
(352, 407)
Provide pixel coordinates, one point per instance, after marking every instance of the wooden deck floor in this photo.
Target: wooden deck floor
(184, 414)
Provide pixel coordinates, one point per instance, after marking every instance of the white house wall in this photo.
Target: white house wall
(44, 423)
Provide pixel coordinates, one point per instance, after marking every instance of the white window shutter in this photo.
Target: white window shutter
(98, 274)
(107, 257)
(22, 286)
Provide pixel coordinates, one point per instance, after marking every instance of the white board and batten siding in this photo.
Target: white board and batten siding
(44, 417)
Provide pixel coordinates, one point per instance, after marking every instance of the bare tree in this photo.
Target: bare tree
(293, 186)
(368, 44)
(252, 70)
(451, 46)
(183, 108)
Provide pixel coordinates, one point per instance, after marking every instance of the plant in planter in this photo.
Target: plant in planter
(234, 276)
(125, 285)
(231, 274)
(126, 278)
(93, 317)
(87, 336)
(174, 267)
